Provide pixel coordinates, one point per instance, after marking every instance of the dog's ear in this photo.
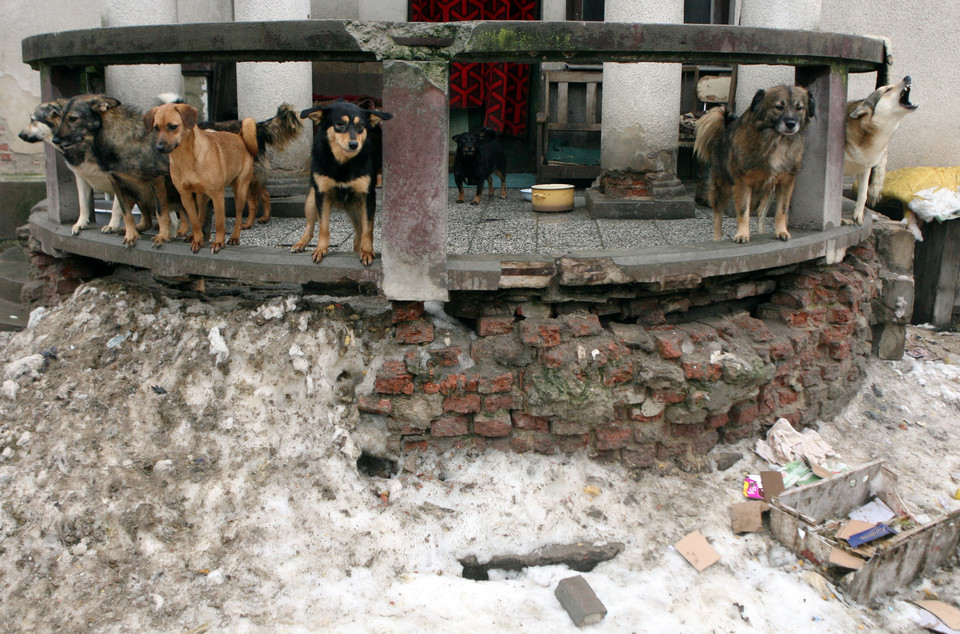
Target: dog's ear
(148, 119)
(811, 106)
(377, 117)
(757, 104)
(487, 133)
(102, 103)
(189, 115)
(459, 138)
(314, 114)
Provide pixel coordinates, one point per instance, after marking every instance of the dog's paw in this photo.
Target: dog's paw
(367, 257)
(77, 228)
(475, 201)
(109, 229)
(298, 247)
(195, 246)
(159, 241)
(233, 241)
(215, 247)
(783, 235)
(130, 238)
(319, 253)
(460, 201)
(742, 238)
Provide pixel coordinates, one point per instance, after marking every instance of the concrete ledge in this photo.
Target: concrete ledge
(647, 208)
(669, 267)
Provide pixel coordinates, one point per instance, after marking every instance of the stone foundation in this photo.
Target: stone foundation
(628, 373)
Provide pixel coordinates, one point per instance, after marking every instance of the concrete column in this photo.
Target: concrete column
(414, 233)
(641, 114)
(262, 86)
(773, 14)
(139, 85)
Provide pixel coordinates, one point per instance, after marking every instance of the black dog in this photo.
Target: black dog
(345, 160)
(479, 157)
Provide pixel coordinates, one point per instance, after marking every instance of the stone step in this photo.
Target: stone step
(14, 273)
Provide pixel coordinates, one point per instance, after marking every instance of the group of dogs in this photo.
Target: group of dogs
(166, 160)
(758, 155)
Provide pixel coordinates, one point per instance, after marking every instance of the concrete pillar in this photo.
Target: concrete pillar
(641, 114)
(262, 86)
(414, 234)
(773, 14)
(139, 85)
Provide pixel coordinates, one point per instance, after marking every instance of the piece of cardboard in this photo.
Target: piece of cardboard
(819, 471)
(943, 611)
(697, 551)
(874, 511)
(845, 559)
(772, 484)
(852, 527)
(747, 517)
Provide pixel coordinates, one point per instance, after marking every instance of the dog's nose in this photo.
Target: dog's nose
(353, 145)
(23, 137)
(790, 124)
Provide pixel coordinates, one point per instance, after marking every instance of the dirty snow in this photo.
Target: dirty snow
(170, 464)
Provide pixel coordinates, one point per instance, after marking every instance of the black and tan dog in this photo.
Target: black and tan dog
(202, 164)
(757, 155)
(343, 172)
(276, 132)
(43, 123)
(479, 156)
(124, 150)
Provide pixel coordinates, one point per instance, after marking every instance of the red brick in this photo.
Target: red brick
(406, 311)
(542, 333)
(522, 443)
(718, 420)
(417, 331)
(643, 456)
(781, 350)
(744, 413)
(374, 405)
(462, 404)
(492, 426)
(446, 357)
(470, 382)
(545, 444)
(446, 386)
(800, 281)
(669, 396)
(499, 401)
(611, 437)
(569, 444)
(491, 385)
(522, 420)
(836, 333)
(450, 426)
(704, 443)
(582, 324)
(793, 298)
(756, 328)
(702, 371)
(617, 375)
(394, 379)
(668, 343)
(840, 350)
(839, 315)
(495, 325)
(700, 333)
(787, 397)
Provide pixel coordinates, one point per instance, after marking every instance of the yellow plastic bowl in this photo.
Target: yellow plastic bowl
(553, 197)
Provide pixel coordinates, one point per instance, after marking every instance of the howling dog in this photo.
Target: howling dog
(870, 124)
(758, 154)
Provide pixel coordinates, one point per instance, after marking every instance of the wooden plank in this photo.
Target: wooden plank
(562, 101)
(936, 273)
(949, 272)
(576, 76)
(583, 127)
(591, 116)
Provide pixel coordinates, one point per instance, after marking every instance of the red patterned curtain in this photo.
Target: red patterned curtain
(502, 89)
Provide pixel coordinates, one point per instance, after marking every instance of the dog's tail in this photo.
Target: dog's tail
(710, 128)
(279, 130)
(248, 132)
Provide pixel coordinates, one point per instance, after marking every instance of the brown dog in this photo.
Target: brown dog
(758, 154)
(202, 164)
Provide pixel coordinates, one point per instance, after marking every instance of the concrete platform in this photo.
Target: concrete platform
(496, 244)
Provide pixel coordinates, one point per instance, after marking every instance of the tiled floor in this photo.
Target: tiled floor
(498, 226)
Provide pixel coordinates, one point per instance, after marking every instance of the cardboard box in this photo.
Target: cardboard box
(805, 520)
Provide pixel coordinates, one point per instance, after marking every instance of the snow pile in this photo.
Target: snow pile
(154, 486)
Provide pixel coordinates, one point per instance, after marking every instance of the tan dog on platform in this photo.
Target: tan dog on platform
(202, 164)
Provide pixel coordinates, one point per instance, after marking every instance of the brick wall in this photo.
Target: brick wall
(629, 374)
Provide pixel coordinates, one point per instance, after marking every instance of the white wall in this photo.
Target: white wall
(925, 43)
(20, 84)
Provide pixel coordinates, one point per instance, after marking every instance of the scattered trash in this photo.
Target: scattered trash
(771, 482)
(811, 521)
(580, 601)
(846, 560)
(118, 339)
(784, 444)
(751, 487)
(218, 347)
(158, 390)
(941, 617)
(591, 490)
(695, 549)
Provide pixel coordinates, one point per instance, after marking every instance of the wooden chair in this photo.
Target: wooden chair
(555, 123)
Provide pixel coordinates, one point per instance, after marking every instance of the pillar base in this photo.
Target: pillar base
(626, 195)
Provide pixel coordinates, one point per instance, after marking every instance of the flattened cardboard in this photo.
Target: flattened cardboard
(874, 511)
(843, 558)
(772, 484)
(697, 551)
(852, 527)
(878, 531)
(943, 611)
(747, 517)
